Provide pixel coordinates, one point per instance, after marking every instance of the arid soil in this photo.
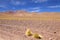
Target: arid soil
(14, 25)
(15, 30)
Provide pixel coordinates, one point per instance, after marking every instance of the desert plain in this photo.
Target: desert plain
(13, 25)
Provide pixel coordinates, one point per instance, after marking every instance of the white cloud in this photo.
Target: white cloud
(35, 9)
(56, 6)
(16, 2)
(2, 6)
(39, 1)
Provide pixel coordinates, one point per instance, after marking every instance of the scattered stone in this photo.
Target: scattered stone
(54, 32)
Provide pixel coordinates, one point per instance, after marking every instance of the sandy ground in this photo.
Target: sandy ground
(15, 29)
(14, 25)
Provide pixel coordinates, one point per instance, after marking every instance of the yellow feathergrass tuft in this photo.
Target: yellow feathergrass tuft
(28, 32)
(37, 36)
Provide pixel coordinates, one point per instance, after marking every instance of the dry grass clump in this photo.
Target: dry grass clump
(34, 35)
(28, 32)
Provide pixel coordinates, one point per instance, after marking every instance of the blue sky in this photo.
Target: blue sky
(30, 5)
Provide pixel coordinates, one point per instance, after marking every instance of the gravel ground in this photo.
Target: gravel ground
(15, 30)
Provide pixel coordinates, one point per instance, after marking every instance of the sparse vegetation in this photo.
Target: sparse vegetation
(28, 32)
(35, 35)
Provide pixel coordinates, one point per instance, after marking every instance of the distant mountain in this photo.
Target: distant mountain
(25, 13)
